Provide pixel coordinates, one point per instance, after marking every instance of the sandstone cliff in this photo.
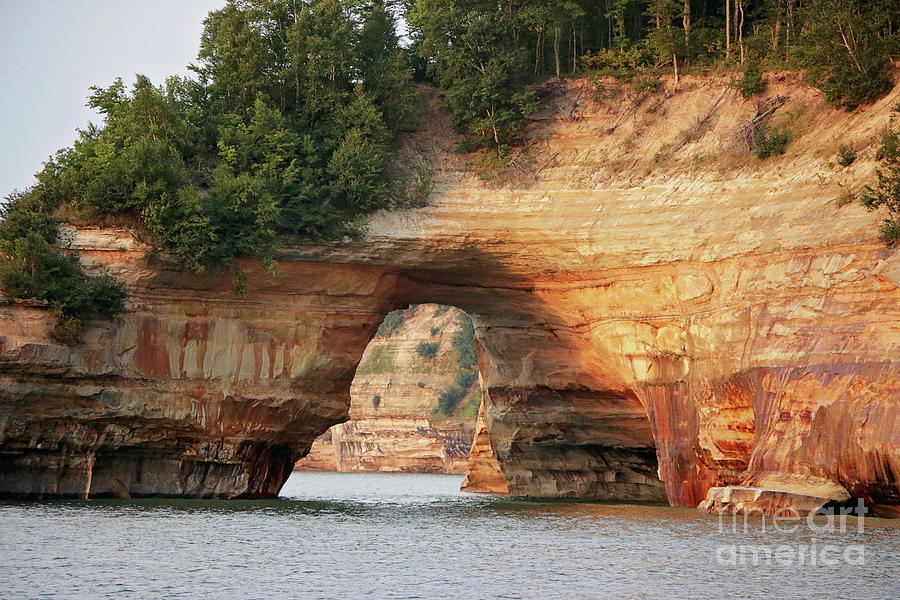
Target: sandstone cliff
(394, 424)
(658, 312)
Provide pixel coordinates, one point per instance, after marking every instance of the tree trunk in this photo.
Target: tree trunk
(574, 48)
(675, 62)
(727, 28)
(776, 35)
(556, 48)
(686, 20)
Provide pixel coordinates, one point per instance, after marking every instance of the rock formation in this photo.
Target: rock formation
(658, 313)
(484, 475)
(394, 400)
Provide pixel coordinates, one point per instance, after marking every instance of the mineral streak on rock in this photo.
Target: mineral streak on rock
(658, 313)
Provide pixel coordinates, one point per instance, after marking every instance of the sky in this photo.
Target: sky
(53, 51)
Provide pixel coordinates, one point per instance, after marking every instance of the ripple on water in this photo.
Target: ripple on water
(407, 536)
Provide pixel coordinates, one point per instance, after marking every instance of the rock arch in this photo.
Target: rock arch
(715, 326)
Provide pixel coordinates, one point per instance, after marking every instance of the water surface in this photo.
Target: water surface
(416, 536)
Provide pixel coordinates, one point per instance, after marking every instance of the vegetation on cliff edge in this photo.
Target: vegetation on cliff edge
(284, 130)
(32, 267)
(486, 54)
(286, 126)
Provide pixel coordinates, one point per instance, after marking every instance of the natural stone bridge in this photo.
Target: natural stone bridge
(657, 313)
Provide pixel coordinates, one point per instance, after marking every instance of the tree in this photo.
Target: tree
(845, 46)
(234, 58)
(886, 191)
(31, 267)
(283, 132)
(477, 64)
(383, 66)
(664, 40)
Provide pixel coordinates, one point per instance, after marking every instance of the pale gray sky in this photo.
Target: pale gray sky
(52, 51)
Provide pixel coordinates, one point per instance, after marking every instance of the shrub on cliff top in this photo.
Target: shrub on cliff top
(31, 267)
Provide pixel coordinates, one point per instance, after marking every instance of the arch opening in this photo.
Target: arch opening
(414, 399)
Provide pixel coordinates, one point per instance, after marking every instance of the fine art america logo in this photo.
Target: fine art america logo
(821, 533)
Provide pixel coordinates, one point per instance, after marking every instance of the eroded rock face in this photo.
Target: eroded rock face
(657, 311)
(191, 392)
(483, 475)
(393, 445)
(761, 501)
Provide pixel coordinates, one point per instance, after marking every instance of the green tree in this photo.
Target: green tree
(478, 65)
(845, 48)
(31, 267)
(886, 191)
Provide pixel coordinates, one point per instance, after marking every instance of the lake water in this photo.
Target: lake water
(416, 536)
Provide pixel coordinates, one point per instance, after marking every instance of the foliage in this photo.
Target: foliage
(469, 410)
(845, 47)
(451, 397)
(284, 131)
(421, 384)
(435, 331)
(646, 84)
(428, 349)
(768, 143)
(886, 191)
(415, 193)
(31, 267)
(622, 62)
(750, 82)
(486, 55)
(467, 377)
(376, 401)
(464, 342)
(846, 155)
(473, 56)
(391, 323)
